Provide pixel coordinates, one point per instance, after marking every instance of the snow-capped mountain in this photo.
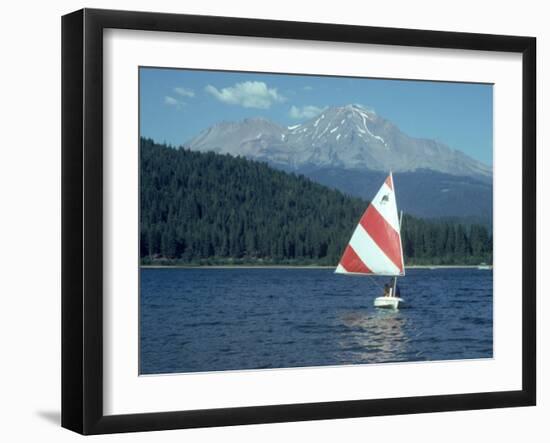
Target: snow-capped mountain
(349, 137)
(351, 148)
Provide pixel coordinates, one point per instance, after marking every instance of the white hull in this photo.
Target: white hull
(388, 302)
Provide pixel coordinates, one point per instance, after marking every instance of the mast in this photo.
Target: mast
(394, 286)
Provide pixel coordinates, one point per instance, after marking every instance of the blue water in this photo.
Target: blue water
(228, 319)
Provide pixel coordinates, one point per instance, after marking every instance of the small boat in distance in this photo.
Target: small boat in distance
(484, 266)
(375, 247)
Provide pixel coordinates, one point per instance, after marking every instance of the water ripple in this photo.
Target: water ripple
(225, 319)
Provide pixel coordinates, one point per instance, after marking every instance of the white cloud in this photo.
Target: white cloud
(308, 88)
(170, 101)
(250, 94)
(308, 111)
(184, 92)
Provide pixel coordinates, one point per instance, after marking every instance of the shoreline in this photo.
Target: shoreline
(489, 267)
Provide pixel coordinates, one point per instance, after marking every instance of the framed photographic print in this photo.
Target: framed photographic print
(270, 221)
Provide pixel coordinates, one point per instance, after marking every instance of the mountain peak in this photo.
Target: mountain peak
(356, 107)
(350, 109)
(342, 124)
(350, 136)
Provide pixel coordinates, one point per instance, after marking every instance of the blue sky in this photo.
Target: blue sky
(176, 104)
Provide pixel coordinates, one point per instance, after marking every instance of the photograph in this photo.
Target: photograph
(300, 220)
(271, 222)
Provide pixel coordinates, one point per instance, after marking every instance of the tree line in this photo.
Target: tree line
(207, 208)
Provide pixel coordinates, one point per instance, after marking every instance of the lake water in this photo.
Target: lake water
(227, 319)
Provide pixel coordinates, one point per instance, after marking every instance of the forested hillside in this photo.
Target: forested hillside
(206, 208)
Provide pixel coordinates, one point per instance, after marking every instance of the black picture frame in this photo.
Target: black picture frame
(82, 218)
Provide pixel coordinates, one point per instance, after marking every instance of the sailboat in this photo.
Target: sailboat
(375, 247)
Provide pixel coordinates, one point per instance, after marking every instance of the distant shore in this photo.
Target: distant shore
(297, 267)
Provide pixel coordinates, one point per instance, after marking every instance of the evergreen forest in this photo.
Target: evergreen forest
(210, 209)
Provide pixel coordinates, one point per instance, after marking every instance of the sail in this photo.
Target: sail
(375, 246)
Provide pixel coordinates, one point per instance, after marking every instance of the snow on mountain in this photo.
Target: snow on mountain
(348, 137)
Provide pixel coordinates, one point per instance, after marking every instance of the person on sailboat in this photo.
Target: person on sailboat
(388, 289)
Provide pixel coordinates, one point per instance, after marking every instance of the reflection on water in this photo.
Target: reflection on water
(230, 319)
(378, 332)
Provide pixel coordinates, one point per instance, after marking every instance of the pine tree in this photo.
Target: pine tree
(197, 207)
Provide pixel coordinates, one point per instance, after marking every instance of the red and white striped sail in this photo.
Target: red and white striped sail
(375, 246)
